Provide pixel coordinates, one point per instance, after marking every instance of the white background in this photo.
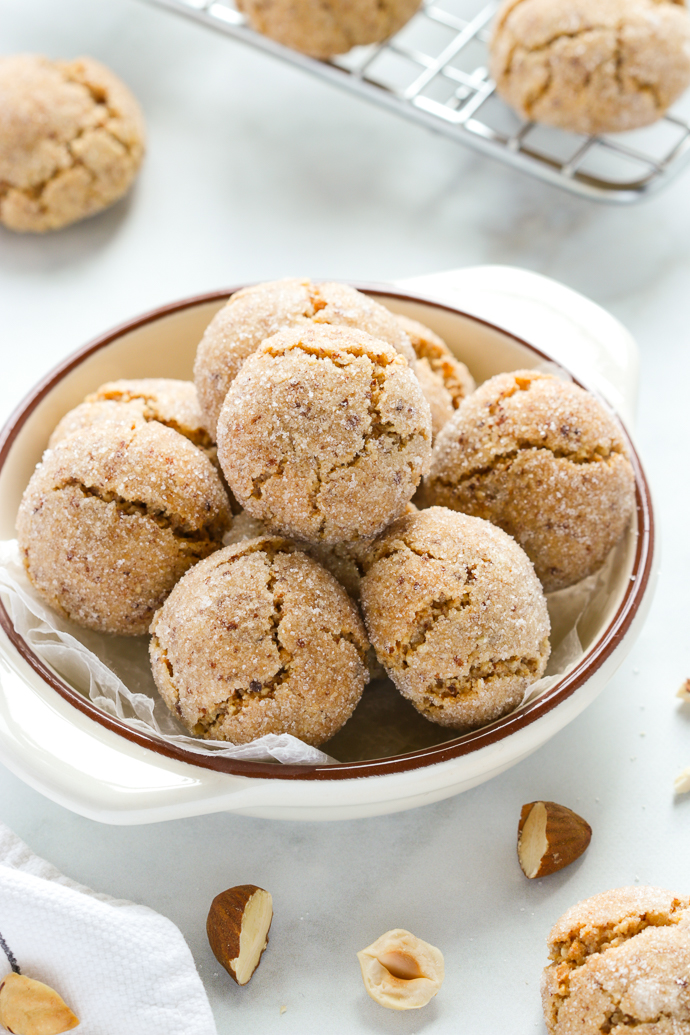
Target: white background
(256, 171)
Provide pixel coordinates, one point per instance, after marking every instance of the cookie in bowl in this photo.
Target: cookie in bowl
(259, 639)
(325, 434)
(255, 313)
(544, 460)
(456, 616)
(113, 517)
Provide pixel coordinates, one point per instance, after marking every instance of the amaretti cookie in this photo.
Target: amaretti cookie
(166, 400)
(325, 434)
(591, 66)
(433, 353)
(255, 313)
(71, 140)
(322, 28)
(546, 462)
(259, 639)
(113, 517)
(620, 962)
(456, 616)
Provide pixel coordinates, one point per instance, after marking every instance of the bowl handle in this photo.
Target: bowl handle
(564, 324)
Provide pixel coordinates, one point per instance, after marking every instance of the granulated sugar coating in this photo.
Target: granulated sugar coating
(325, 434)
(322, 28)
(456, 616)
(113, 517)
(255, 313)
(544, 460)
(170, 402)
(591, 66)
(621, 962)
(345, 561)
(259, 639)
(432, 352)
(71, 140)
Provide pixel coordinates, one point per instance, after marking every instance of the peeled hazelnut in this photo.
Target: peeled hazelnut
(400, 971)
(29, 1007)
(237, 928)
(550, 836)
(684, 691)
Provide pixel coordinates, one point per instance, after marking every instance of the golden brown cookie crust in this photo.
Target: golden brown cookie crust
(259, 639)
(620, 961)
(113, 517)
(322, 28)
(432, 349)
(546, 462)
(166, 400)
(456, 615)
(256, 313)
(324, 434)
(71, 140)
(591, 66)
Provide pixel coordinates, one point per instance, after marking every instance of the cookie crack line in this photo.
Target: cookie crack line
(163, 518)
(427, 617)
(484, 672)
(504, 460)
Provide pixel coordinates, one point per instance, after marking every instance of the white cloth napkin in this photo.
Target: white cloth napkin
(123, 969)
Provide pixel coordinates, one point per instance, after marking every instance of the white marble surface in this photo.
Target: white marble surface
(255, 171)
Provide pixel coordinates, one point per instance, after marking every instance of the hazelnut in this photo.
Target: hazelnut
(237, 928)
(401, 971)
(29, 1007)
(550, 837)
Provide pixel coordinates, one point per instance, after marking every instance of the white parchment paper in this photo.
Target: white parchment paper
(114, 671)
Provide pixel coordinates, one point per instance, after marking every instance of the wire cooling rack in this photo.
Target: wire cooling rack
(434, 71)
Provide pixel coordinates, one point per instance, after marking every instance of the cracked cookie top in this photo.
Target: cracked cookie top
(324, 434)
(546, 462)
(620, 960)
(71, 140)
(432, 350)
(259, 639)
(166, 400)
(113, 517)
(456, 616)
(322, 28)
(591, 66)
(256, 313)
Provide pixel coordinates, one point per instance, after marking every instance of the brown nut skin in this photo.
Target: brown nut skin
(224, 928)
(550, 837)
(29, 1007)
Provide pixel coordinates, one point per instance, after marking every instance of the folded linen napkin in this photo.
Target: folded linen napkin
(122, 968)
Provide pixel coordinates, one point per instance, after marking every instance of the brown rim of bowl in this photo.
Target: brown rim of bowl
(462, 745)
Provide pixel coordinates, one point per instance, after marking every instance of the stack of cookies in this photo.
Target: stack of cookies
(260, 523)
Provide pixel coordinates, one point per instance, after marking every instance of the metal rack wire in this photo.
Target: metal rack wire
(434, 71)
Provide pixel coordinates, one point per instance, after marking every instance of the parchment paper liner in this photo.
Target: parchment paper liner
(114, 673)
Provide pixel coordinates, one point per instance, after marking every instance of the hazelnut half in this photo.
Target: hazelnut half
(401, 971)
(29, 1007)
(237, 928)
(550, 836)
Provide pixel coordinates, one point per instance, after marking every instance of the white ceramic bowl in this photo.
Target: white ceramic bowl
(61, 744)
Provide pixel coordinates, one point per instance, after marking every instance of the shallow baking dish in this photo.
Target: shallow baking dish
(65, 747)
